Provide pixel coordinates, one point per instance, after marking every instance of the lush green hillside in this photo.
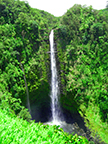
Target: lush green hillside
(18, 131)
(24, 43)
(81, 39)
(82, 44)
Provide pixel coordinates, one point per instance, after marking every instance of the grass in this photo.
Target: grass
(95, 123)
(18, 131)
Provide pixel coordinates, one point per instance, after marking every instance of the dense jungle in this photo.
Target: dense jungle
(81, 42)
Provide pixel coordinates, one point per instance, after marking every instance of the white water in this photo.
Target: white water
(55, 107)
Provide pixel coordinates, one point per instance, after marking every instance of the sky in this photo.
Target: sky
(59, 7)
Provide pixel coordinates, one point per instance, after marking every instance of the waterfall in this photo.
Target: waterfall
(55, 107)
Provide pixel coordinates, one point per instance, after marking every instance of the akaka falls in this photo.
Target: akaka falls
(55, 107)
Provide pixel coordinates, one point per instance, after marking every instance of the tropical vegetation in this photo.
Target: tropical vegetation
(81, 41)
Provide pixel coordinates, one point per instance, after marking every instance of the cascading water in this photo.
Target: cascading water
(55, 107)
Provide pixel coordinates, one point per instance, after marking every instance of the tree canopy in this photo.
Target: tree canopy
(81, 40)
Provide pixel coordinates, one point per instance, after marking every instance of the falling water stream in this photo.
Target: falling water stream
(55, 106)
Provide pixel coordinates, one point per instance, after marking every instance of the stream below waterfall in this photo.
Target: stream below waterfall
(75, 129)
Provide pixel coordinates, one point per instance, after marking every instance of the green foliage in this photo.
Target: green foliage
(24, 114)
(24, 42)
(81, 36)
(62, 31)
(98, 128)
(13, 106)
(82, 57)
(15, 130)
